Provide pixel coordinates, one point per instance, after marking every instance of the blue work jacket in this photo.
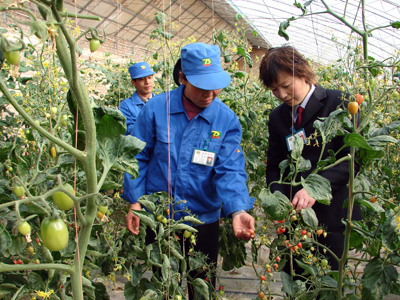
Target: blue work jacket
(131, 108)
(206, 189)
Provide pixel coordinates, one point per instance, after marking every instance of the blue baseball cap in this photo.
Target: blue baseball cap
(201, 65)
(140, 70)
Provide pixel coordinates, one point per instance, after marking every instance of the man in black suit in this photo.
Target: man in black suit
(287, 73)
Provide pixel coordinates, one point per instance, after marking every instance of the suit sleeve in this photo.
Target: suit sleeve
(275, 154)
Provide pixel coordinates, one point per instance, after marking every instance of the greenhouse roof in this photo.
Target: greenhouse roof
(320, 37)
(323, 37)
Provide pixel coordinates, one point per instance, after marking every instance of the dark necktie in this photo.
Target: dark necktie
(299, 115)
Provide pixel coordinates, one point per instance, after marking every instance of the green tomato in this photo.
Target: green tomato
(30, 249)
(13, 57)
(94, 44)
(19, 191)
(187, 234)
(178, 297)
(324, 262)
(103, 209)
(222, 292)
(395, 95)
(54, 234)
(62, 200)
(53, 110)
(24, 228)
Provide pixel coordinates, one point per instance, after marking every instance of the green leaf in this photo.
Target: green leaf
(333, 125)
(395, 24)
(200, 289)
(282, 29)
(5, 240)
(289, 286)
(145, 218)
(277, 206)
(119, 153)
(182, 226)
(148, 204)
(356, 140)
(390, 238)
(385, 130)
(39, 28)
(237, 17)
(318, 187)
(6, 289)
(110, 122)
(36, 282)
(309, 217)
(165, 270)
(381, 142)
(298, 145)
(239, 74)
(308, 269)
(378, 279)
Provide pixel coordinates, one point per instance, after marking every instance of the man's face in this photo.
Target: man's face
(200, 98)
(144, 86)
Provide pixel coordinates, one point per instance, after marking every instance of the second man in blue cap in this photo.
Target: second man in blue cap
(143, 80)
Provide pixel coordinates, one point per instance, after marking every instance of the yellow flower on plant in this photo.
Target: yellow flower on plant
(397, 220)
(44, 295)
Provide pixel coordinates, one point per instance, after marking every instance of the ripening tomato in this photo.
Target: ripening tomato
(53, 152)
(359, 98)
(303, 232)
(261, 295)
(353, 107)
(54, 234)
(373, 199)
(24, 228)
(262, 277)
(13, 57)
(19, 191)
(62, 200)
(94, 44)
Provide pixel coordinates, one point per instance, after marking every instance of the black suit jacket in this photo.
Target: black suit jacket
(321, 104)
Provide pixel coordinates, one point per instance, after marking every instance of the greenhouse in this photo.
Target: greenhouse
(212, 149)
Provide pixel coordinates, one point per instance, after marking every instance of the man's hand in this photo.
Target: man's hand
(302, 200)
(241, 224)
(132, 221)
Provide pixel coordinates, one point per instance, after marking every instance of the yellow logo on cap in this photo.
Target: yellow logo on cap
(143, 67)
(215, 134)
(207, 62)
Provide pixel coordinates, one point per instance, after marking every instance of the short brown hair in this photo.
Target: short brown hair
(285, 59)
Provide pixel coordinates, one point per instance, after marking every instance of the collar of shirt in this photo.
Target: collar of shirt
(144, 99)
(191, 109)
(304, 103)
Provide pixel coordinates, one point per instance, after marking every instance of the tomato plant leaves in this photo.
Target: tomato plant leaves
(378, 279)
(5, 240)
(309, 217)
(308, 268)
(282, 29)
(289, 286)
(318, 187)
(200, 289)
(275, 205)
(395, 24)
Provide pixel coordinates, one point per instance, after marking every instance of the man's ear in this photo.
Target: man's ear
(182, 78)
(133, 81)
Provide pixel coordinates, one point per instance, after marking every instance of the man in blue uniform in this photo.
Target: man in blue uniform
(142, 79)
(193, 151)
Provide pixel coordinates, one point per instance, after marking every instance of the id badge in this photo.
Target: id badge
(202, 157)
(290, 138)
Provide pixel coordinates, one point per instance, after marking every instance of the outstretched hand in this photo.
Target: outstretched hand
(132, 221)
(243, 226)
